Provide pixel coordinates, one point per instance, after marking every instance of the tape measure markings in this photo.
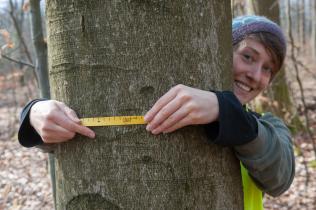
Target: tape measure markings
(111, 121)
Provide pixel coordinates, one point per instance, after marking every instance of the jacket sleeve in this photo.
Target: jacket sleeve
(27, 135)
(235, 126)
(269, 158)
(262, 143)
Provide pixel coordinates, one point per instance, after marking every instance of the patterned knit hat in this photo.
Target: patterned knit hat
(244, 26)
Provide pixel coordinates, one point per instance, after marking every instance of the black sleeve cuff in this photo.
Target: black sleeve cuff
(27, 135)
(235, 126)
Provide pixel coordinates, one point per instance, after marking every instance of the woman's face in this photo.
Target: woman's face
(252, 69)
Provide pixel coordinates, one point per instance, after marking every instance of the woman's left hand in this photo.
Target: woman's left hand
(182, 106)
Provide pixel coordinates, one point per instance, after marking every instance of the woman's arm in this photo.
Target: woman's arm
(262, 143)
(269, 158)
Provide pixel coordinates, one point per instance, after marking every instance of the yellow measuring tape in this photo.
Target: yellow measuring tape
(109, 121)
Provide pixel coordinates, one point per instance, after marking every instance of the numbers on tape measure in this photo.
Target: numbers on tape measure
(110, 121)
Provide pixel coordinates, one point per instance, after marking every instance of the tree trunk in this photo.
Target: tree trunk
(113, 58)
(303, 24)
(313, 30)
(40, 48)
(238, 7)
(250, 10)
(41, 69)
(268, 8)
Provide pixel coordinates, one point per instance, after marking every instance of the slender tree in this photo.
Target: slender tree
(41, 68)
(313, 28)
(268, 8)
(250, 9)
(40, 47)
(238, 7)
(112, 58)
(303, 23)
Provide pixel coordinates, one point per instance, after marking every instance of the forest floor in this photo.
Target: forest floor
(24, 177)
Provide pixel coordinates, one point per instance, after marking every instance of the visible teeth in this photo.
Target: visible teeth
(243, 86)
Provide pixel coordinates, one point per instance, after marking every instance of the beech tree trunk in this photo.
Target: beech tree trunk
(114, 58)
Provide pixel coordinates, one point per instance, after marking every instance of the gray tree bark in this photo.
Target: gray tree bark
(313, 29)
(268, 8)
(41, 69)
(113, 58)
(40, 47)
(238, 7)
(250, 10)
(303, 25)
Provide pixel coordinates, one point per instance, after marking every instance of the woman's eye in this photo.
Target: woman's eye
(267, 70)
(247, 57)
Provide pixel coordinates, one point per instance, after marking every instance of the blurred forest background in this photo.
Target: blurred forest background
(24, 179)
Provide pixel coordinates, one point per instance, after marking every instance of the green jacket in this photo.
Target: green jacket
(269, 158)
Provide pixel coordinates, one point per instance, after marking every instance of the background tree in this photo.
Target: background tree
(40, 48)
(313, 27)
(112, 58)
(41, 68)
(238, 7)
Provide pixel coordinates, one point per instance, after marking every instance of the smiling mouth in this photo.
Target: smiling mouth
(243, 87)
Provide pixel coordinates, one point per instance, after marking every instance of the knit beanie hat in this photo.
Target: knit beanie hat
(244, 26)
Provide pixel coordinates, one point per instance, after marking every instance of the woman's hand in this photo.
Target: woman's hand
(182, 106)
(55, 122)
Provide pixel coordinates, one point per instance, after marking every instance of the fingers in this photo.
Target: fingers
(56, 134)
(182, 123)
(163, 114)
(169, 109)
(56, 122)
(65, 122)
(165, 99)
(175, 119)
(72, 126)
(69, 112)
(182, 106)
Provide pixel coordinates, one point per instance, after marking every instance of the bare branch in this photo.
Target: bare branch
(18, 30)
(17, 61)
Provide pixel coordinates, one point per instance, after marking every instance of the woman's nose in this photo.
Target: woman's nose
(255, 73)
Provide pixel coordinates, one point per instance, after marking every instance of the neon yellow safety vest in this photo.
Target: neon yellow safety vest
(252, 194)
